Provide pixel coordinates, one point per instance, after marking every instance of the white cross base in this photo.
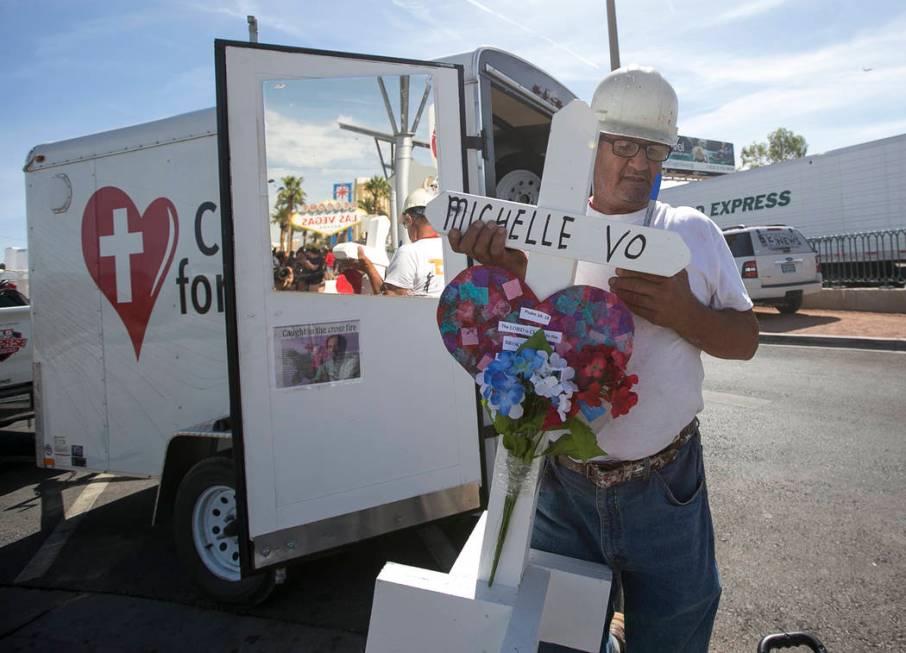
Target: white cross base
(560, 600)
(536, 596)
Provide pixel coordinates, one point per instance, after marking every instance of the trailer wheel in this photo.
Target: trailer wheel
(792, 304)
(519, 178)
(207, 538)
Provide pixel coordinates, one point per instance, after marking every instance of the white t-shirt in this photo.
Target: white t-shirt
(418, 267)
(669, 368)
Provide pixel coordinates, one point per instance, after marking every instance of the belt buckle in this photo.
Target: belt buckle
(591, 472)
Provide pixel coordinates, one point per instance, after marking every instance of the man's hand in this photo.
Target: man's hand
(486, 243)
(362, 262)
(665, 301)
(669, 302)
(366, 266)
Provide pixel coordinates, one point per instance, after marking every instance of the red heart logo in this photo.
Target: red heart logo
(128, 254)
(484, 309)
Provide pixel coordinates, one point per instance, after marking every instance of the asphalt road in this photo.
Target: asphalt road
(806, 465)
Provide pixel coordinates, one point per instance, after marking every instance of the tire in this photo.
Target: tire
(793, 303)
(205, 508)
(519, 178)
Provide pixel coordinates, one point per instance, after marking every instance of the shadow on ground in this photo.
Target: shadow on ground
(116, 550)
(780, 323)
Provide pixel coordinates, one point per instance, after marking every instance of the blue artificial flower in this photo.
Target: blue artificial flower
(526, 361)
(501, 386)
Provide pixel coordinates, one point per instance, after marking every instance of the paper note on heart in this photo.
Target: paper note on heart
(485, 310)
(128, 254)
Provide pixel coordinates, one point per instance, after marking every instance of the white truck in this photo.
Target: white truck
(852, 190)
(162, 349)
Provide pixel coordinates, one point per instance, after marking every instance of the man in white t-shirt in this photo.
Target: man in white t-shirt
(643, 510)
(417, 268)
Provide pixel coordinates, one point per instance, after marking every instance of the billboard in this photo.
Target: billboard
(700, 156)
(327, 218)
(343, 191)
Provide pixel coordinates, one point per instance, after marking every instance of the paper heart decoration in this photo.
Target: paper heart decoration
(128, 254)
(484, 308)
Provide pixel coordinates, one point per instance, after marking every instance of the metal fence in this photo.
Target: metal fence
(875, 258)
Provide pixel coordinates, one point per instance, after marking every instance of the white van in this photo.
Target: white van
(777, 264)
(162, 349)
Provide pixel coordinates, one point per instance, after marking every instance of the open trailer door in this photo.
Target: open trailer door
(350, 419)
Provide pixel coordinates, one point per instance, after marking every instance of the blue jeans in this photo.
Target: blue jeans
(655, 533)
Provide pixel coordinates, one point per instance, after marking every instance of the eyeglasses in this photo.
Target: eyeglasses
(628, 149)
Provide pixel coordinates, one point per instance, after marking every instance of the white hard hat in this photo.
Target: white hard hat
(418, 198)
(636, 102)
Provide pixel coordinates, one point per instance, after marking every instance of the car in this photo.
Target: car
(10, 294)
(16, 392)
(777, 264)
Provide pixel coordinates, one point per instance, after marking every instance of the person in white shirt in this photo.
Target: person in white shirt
(644, 510)
(417, 268)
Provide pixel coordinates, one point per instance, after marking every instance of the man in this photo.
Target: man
(643, 510)
(416, 268)
(309, 271)
(338, 365)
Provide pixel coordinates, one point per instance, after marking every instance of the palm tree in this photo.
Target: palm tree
(377, 191)
(289, 196)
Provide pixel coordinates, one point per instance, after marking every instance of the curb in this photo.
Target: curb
(848, 342)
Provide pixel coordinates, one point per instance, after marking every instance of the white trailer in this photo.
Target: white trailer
(853, 189)
(161, 345)
(847, 202)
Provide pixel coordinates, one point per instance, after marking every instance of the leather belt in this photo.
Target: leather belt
(610, 473)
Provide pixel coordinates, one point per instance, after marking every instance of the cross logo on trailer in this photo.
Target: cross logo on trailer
(128, 254)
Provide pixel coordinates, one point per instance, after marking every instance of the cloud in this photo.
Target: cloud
(293, 144)
(821, 92)
(528, 30)
(878, 130)
(874, 47)
(747, 10)
(268, 19)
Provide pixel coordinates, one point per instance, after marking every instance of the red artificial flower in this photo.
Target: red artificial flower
(551, 420)
(592, 395)
(621, 397)
(591, 363)
(618, 359)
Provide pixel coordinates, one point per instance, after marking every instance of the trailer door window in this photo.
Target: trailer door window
(336, 151)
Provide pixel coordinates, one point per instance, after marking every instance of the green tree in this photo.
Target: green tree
(377, 191)
(290, 196)
(781, 145)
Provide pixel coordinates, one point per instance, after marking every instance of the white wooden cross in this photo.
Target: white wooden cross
(536, 596)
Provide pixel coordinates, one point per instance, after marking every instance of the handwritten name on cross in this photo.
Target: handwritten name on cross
(554, 229)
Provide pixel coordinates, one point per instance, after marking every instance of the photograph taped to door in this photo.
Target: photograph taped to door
(316, 354)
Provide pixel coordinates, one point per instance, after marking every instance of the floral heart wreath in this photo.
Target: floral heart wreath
(552, 365)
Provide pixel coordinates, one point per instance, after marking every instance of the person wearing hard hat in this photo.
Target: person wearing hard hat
(643, 510)
(417, 268)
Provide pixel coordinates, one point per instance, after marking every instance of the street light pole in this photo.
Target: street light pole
(612, 33)
(253, 29)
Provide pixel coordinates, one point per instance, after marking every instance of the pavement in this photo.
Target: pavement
(812, 326)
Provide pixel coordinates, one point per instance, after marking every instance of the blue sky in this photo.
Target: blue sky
(832, 70)
(302, 137)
